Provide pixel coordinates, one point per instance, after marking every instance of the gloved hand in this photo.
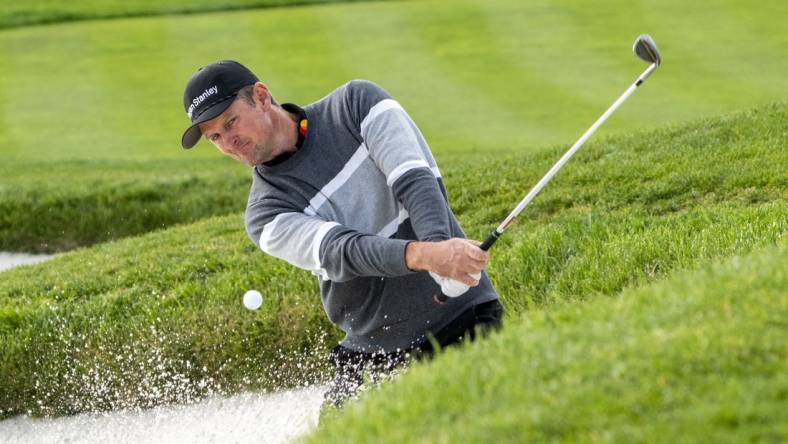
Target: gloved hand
(452, 288)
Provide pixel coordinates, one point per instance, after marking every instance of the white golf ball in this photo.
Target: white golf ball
(253, 299)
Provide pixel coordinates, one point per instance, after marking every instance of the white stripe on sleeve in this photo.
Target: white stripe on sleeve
(268, 229)
(404, 168)
(379, 108)
(296, 238)
(391, 228)
(435, 171)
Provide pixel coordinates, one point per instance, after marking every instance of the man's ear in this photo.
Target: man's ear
(261, 95)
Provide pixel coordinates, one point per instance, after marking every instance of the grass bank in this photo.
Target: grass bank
(701, 357)
(155, 319)
(478, 77)
(158, 318)
(113, 199)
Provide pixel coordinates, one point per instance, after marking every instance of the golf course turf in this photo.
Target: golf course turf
(679, 197)
(644, 287)
(82, 149)
(699, 357)
(17, 14)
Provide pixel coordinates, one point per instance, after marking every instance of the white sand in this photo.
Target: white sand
(273, 418)
(11, 260)
(247, 418)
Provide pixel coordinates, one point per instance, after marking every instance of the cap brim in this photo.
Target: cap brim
(192, 134)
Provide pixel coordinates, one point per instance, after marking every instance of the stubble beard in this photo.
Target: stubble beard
(260, 155)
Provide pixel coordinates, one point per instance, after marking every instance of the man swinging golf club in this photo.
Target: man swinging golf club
(348, 189)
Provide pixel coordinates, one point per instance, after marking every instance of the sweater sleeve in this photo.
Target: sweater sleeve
(426, 205)
(327, 249)
(399, 150)
(347, 254)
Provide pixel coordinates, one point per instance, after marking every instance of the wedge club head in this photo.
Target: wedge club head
(646, 49)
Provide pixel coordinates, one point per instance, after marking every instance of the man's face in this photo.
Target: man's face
(244, 131)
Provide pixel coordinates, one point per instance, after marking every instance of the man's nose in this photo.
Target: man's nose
(235, 141)
(231, 143)
(227, 146)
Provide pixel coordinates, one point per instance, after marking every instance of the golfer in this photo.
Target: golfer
(348, 189)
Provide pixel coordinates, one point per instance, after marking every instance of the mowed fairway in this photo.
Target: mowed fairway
(15, 14)
(80, 101)
(476, 75)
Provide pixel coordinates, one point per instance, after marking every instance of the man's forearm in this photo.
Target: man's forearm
(346, 254)
(421, 195)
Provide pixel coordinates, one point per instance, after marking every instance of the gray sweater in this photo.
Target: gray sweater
(344, 206)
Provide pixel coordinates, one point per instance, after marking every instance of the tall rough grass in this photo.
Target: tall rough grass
(700, 357)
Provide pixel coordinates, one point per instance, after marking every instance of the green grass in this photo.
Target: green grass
(156, 319)
(701, 357)
(598, 345)
(16, 14)
(114, 325)
(111, 199)
(481, 79)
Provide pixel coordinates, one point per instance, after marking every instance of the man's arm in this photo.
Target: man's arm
(338, 253)
(399, 150)
(327, 249)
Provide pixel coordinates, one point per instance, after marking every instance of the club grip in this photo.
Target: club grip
(488, 243)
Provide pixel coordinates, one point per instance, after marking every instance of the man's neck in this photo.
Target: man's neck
(289, 127)
(292, 130)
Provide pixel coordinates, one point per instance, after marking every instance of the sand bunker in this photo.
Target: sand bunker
(11, 260)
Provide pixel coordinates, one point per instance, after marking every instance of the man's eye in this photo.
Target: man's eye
(214, 138)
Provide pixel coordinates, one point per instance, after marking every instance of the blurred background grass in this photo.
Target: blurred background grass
(54, 11)
(477, 76)
(88, 107)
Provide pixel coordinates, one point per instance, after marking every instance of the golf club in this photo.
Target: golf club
(644, 48)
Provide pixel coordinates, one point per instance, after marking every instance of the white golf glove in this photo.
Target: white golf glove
(452, 288)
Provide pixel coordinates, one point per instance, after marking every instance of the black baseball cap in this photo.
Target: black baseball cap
(210, 91)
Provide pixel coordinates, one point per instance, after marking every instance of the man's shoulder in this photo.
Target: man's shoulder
(352, 100)
(365, 91)
(353, 88)
(354, 91)
(363, 85)
(279, 193)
